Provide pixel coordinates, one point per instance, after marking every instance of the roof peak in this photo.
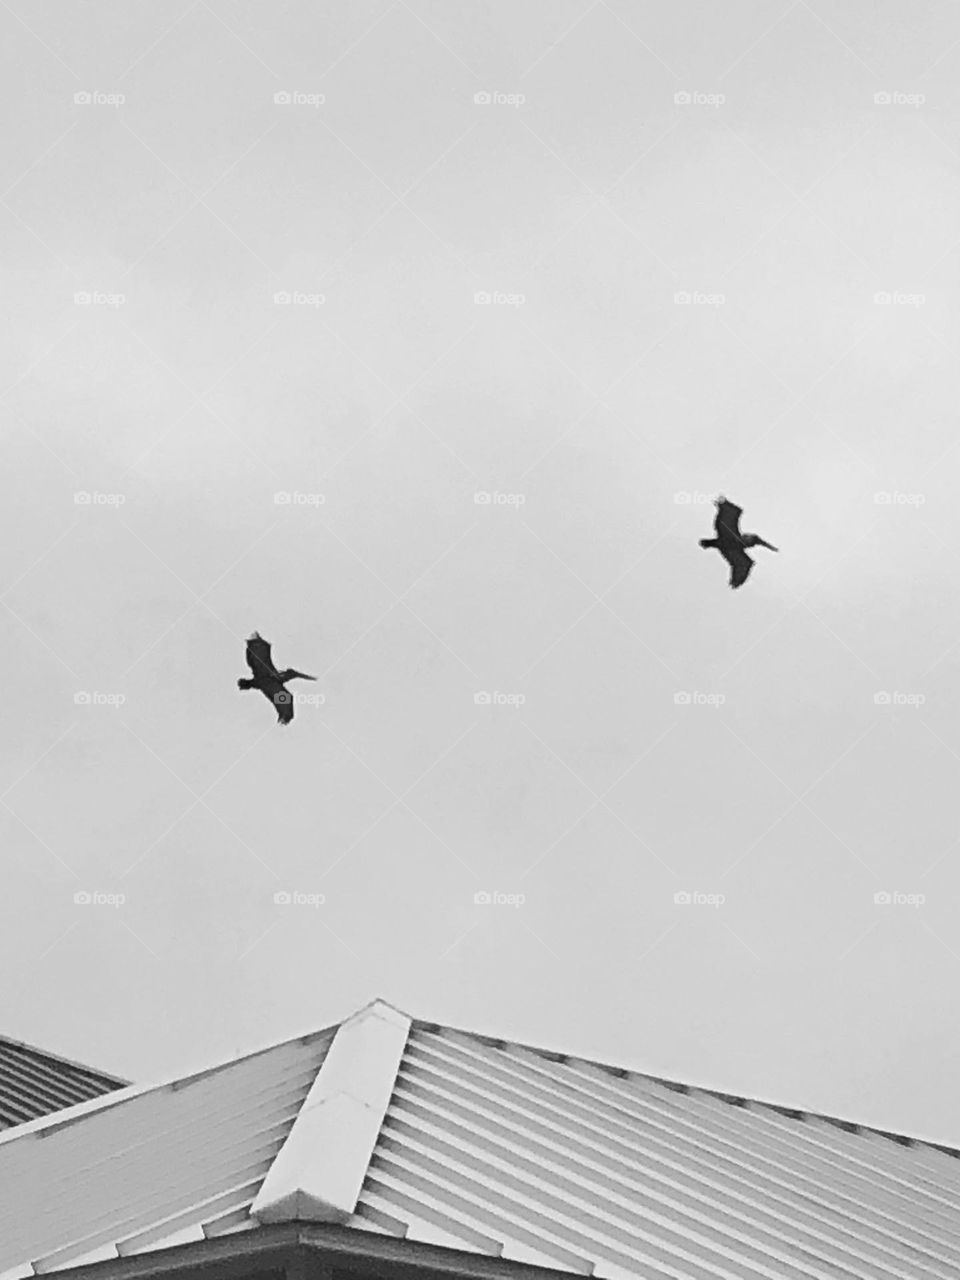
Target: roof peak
(390, 1012)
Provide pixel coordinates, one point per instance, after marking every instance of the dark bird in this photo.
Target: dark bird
(268, 679)
(731, 543)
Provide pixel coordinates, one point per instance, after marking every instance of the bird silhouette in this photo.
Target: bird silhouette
(731, 543)
(268, 679)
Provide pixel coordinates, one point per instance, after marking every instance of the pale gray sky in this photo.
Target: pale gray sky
(782, 196)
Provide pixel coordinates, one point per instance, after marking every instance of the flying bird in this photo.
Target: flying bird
(268, 679)
(731, 543)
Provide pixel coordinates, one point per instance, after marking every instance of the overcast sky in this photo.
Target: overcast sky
(681, 215)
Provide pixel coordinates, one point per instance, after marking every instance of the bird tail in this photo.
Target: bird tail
(246, 684)
(709, 542)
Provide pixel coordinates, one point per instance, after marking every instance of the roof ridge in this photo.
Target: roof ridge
(319, 1171)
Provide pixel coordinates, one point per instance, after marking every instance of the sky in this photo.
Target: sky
(419, 336)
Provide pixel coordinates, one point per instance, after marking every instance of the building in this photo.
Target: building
(390, 1147)
(33, 1082)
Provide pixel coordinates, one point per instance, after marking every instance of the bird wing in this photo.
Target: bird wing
(740, 564)
(284, 704)
(727, 522)
(259, 659)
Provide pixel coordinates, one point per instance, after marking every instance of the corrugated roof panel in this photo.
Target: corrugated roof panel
(652, 1180)
(776, 1166)
(153, 1168)
(35, 1083)
(485, 1146)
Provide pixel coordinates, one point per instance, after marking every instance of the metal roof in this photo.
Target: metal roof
(445, 1138)
(35, 1083)
(152, 1167)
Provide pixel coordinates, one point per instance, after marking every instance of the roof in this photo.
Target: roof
(383, 1127)
(34, 1083)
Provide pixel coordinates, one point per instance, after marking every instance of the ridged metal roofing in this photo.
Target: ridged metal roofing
(35, 1083)
(443, 1137)
(559, 1162)
(150, 1168)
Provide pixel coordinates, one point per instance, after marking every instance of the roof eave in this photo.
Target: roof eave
(283, 1245)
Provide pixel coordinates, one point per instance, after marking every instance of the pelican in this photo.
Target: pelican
(731, 543)
(268, 679)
